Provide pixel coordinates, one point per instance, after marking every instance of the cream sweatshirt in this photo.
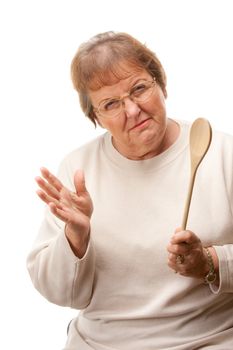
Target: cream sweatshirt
(129, 298)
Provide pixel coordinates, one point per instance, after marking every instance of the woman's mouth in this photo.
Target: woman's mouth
(141, 124)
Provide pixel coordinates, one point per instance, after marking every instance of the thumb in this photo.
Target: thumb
(79, 182)
(178, 229)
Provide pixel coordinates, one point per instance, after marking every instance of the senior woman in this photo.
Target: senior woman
(110, 241)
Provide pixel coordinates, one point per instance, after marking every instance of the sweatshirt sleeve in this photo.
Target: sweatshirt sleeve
(225, 256)
(225, 251)
(56, 272)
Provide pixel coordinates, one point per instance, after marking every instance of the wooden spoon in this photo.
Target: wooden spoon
(199, 142)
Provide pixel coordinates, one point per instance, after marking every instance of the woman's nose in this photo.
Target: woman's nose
(131, 108)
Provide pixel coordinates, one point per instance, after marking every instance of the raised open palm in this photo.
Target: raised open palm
(74, 208)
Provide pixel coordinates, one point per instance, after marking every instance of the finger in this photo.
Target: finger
(46, 187)
(178, 267)
(175, 260)
(75, 199)
(182, 248)
(52, 180)
(172, 265)
(58, 212)
(47, 199)
(79, 182)
(64, 213)
(185, 237)
(172, 258)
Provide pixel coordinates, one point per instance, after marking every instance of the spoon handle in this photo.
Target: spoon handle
(188, 200)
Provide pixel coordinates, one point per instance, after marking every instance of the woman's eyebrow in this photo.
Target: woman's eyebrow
(113, 97)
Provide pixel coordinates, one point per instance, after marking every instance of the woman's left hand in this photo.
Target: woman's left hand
(186, 255)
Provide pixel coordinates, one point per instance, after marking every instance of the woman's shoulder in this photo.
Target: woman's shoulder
(222, 140)
(221, 150)
(85, 148)
(218, 136)
(84, 154)
(84, 157)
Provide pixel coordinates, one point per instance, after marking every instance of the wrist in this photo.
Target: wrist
(77, 242)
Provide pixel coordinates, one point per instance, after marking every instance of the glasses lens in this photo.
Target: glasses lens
(143, 91)
(110, 108)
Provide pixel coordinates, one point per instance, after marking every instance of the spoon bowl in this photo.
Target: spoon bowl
(199, 142)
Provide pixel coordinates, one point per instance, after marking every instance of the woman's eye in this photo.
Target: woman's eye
(139, 89)
(111, 105)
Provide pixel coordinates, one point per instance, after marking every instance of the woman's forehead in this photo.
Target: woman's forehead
(114, 74)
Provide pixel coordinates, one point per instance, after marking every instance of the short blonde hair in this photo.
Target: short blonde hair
(102, 60)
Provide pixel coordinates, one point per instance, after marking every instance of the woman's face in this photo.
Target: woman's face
(139, 131)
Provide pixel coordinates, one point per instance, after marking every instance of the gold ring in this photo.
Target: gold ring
(180, 259)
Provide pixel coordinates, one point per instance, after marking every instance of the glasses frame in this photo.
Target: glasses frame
(121, 99)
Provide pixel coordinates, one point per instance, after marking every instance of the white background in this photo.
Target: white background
(41, 120)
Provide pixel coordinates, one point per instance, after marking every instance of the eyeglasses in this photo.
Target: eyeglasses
(112, 107)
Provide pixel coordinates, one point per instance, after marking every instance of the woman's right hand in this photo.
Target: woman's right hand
(74, 208)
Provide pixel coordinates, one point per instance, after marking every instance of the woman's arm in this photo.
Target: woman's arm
(225, 261)
(62, 261)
